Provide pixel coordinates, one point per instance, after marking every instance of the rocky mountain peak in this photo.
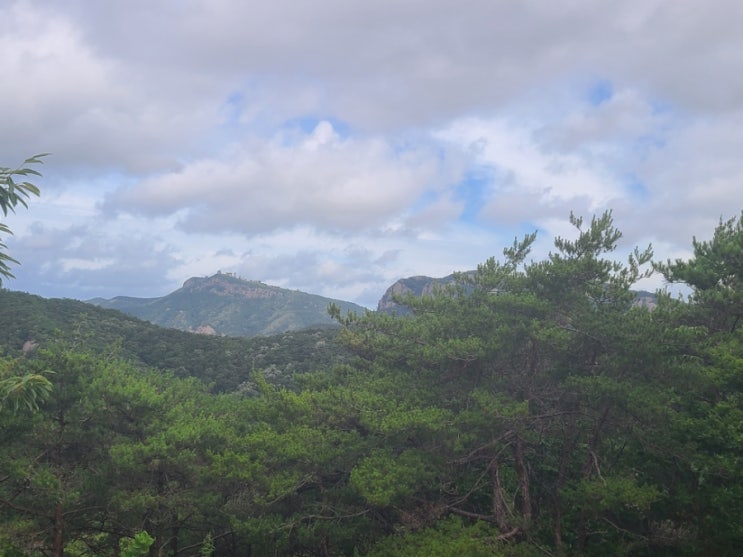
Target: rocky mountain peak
(229, 284)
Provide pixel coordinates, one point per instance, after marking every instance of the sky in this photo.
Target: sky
(336, 146)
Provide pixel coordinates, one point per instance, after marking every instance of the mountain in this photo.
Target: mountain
(425, 286)
(28, 322)
(416, 286)
(225, 304)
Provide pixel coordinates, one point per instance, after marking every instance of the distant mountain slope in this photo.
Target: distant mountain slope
(224, 304)
(425, 286)
(227, 363)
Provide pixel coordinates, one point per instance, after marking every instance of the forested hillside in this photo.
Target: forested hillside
(529, 409)
(225, 363)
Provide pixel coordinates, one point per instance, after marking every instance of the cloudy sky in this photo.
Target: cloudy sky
(334, 146)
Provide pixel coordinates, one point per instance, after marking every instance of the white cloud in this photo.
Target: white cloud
(78, 264)
(322, 181)
(525, 172)
(336, 146)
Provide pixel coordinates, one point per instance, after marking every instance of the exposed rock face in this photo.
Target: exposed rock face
(204, 330)
(387, 304)
(415, 286)
(29, 346)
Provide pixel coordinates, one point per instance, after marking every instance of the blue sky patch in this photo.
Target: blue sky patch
(233, 108)
(473, 192)
(636, 187)
(600, 92)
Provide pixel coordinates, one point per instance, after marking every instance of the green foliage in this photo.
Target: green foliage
(22, 392)
(225, 363)
(207, 546)
(383, 478)
(451, 537)
(138, 546)
(615, 494)
(12, 194)
(716, 262)
(715, 274)
(527, 408)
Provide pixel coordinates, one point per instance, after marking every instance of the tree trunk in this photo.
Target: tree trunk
(588, 466)
(174, 540)
(526, 510)
(499, 503)
(58, 531)
(567, 449)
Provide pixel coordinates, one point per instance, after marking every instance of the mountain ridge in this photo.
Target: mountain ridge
(420, 285)
(227, 305)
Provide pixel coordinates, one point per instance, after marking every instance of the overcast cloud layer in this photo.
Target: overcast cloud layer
(335, 146)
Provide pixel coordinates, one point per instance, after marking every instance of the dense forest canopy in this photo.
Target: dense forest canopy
(530, 408)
